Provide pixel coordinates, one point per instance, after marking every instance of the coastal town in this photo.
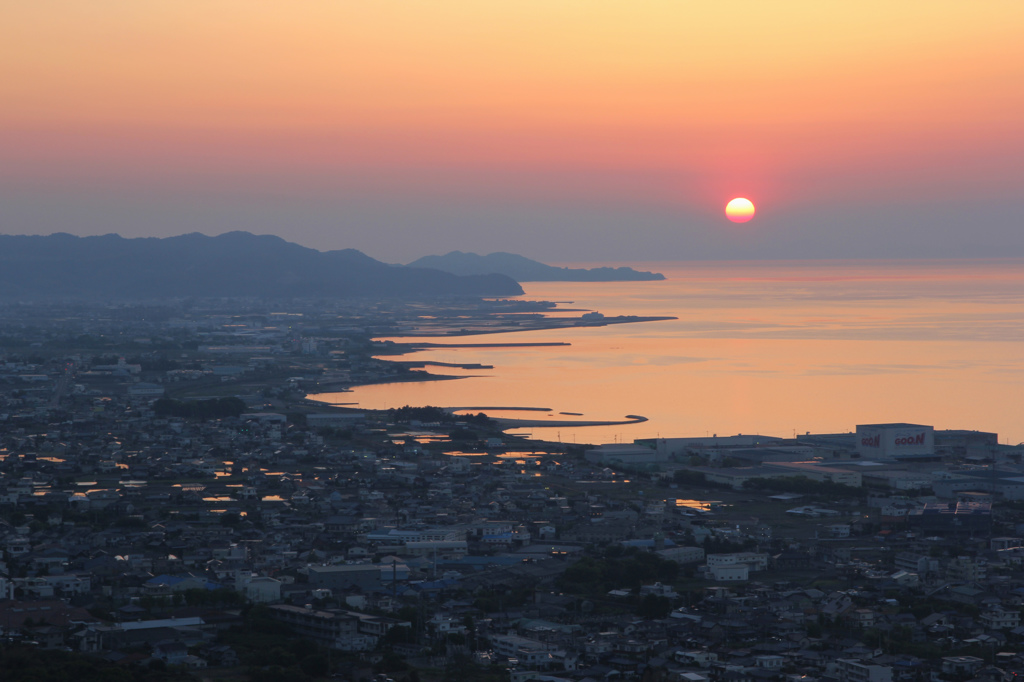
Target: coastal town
(171, 501)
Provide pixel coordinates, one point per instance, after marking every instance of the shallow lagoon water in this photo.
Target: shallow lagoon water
(773, 348)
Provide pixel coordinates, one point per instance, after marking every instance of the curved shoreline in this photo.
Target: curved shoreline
(418, 369)
(512, 423)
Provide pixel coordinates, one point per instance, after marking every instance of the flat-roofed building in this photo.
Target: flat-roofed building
(324, 419)
(896, 440)
(998, 618)
(757, 561)
(145, 390)
(858, 670)
(921, 564)
(679, 446)
(962, 442)
(262, 590)
(953, 517)
(1006, 484)
(531, 652)
(736, 477)
(625, 455)
(363, 576)
(1001, 543)
(682, 555)
(817, 472)
(755, 456)
(964, 666)
(729, 573)
(442, 549)
(325, 626)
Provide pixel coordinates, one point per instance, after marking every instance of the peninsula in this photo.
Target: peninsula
(523, 269)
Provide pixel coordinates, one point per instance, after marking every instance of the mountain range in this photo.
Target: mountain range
(235, 264)
(523, 269)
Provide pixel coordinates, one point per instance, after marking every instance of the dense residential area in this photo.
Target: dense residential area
(173, 506)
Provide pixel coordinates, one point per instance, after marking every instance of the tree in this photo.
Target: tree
(316, 665)
(620, 567)
(653, 606)
(213, 408)
(390, 663)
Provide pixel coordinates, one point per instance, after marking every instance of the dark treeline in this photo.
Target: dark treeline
(214, 408)
(31, 664)
(620, 566)
(429, 414)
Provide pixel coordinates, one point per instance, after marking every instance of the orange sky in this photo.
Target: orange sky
(792, 103)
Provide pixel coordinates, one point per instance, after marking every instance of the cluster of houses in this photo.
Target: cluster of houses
(141, 536)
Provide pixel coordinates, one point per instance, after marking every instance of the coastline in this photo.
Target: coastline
(467, 328)
(506, 423)
(417, 373)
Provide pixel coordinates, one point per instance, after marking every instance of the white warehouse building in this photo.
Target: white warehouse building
(895, 440)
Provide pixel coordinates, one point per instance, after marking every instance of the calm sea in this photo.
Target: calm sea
(773, 348)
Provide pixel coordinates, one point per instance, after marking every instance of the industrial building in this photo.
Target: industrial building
(672, 447)
(364, 576)
(953, 518)
(817, 472)
(625, 455)
(897, 441)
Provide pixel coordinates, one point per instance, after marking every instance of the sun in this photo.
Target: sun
(739, 210)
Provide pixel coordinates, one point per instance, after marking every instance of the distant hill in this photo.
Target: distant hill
(236, 264)
(523, 269)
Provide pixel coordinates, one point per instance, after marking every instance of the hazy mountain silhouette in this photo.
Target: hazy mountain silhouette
(230, 265)
(522, 269)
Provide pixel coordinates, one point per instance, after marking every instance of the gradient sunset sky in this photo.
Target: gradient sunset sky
(564, 130)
